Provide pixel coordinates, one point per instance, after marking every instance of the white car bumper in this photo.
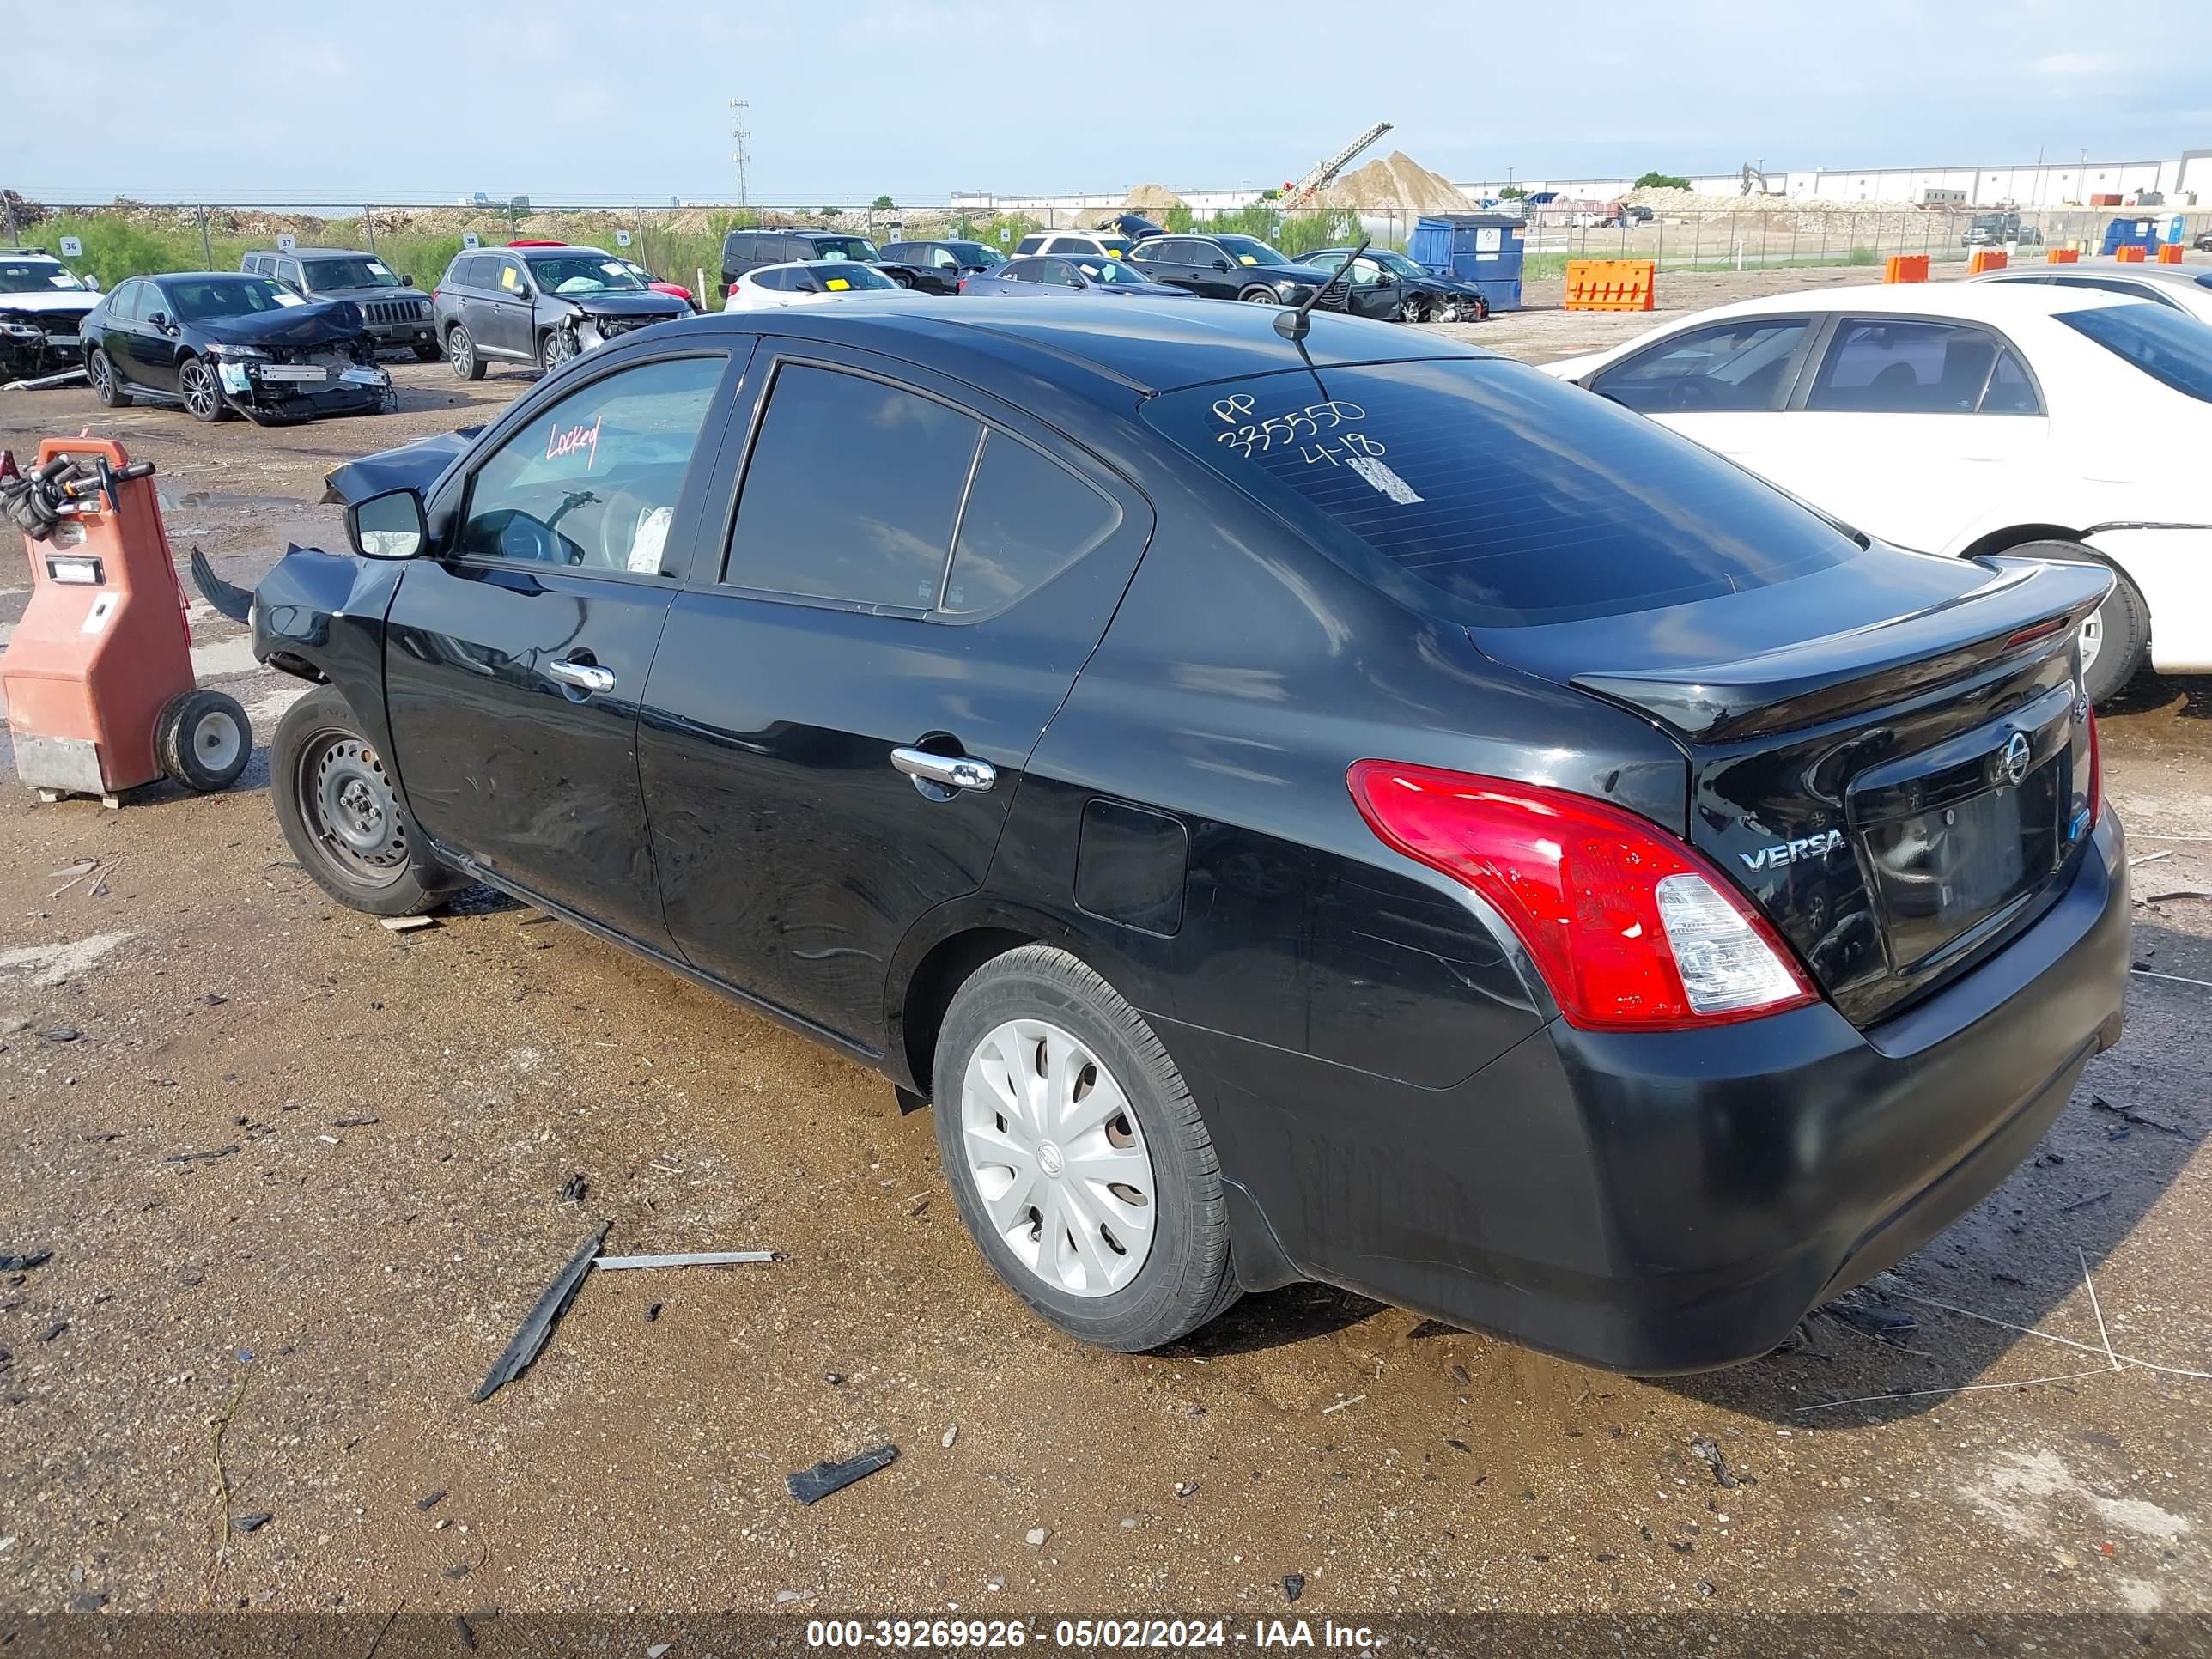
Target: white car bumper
(2173, 570)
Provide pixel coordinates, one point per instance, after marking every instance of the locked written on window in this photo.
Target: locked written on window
(593, 483)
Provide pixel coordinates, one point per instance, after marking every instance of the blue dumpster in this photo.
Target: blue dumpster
(1482, 248)
(2146, 231)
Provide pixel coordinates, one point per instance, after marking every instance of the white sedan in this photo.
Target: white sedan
(1968, 418)
(2185, 289)
(808, 282)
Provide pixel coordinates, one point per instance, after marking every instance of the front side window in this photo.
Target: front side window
(1251, 251)
(1494, 496)
(2172, 350)
(507, 277)
(851, 492)
(1735, 366)
(1879, 365)
(1057, 272)
(591, 483)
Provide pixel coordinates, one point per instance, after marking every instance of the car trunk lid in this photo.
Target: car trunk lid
(1899, 794)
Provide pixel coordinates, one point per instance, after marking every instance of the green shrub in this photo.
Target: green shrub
(1662, 181)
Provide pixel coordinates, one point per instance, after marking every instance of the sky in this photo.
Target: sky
(605, 100)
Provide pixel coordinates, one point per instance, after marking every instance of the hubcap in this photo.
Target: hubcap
(1057, 1156)
(345, 795)
(459, 350)
(2092, 639)
(216, 740)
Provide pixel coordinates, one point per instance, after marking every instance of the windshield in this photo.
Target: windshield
(1487, 491)
(36, 277)
(844, 247)
(324, 273)
(976, 253)
(1251, 251)
(202, 299)
(584, 273)
(839, 276)
(2171, 347)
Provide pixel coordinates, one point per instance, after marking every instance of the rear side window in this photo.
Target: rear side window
(1879, 365)
(852, 491)
(2172, 350)
(1028, 518)
(1494, 495)
(1728, 366)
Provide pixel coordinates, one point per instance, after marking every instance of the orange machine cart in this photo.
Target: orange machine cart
(98, 676)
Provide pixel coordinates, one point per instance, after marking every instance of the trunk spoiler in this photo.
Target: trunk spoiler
(2024, 603)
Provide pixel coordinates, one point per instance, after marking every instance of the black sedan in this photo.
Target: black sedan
(1037, 275)
(1348, 808)
(219, 342)
(1386, 285)
(1225, 268)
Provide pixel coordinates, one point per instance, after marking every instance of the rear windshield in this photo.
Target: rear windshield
(1509, 498)
(2169, 346)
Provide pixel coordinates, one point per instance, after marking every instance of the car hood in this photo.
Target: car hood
(328, 323)
(76, 301)
(413, 466)
(403, 292)
(648, 304)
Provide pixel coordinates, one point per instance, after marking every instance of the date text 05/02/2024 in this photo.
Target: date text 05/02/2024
(1085, 1635)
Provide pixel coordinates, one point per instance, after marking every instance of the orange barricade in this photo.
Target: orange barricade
(2063, 256)
(1612, 285)
(1987, 258)
(1906, 268)
(2170, 254)
(2130, 255)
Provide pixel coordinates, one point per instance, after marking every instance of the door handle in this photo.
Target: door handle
(587, 677)
(948, 771)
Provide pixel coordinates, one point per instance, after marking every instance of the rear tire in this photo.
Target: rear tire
(461, 354)
(2115, 640)
(342, 816)
(1142, 1188)
(203, 741)
(107, 384)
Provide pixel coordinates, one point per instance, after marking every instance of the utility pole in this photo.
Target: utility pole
(742, 139)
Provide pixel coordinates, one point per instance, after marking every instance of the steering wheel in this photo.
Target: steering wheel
(1694, 391)
(523, 538)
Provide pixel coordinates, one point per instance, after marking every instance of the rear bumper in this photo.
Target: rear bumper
(1677, 1202)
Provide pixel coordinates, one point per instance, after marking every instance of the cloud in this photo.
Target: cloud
(2074, 67)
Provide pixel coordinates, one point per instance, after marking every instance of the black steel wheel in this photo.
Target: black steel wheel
(341, 815)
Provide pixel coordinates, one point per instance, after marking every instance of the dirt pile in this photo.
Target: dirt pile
(1397, 180)
(1151, 200)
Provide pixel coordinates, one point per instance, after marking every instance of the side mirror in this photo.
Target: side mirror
(406, 282)
(160, 320)
(388, 526)
(1221, 264)
(93, 282)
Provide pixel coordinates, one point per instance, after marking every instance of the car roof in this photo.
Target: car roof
(314, 253)
(2173, 276)
(1103, 357)
(548, 252)
(1992, 302)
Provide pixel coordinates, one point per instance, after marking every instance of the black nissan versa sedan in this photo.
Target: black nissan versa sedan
(1350, 809)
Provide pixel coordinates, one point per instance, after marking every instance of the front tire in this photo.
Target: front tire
(1077, 1157)
(2115, 640)
(203, 741)
(555, 349)
(461, 354)
(107, 384)
(201, 390)
(425, 351)
(341, 814)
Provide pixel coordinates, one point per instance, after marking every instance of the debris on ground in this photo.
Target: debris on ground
(1884, 1324)
(351, 1122)
(812, 1485)
(252, 1523)
(1036, 1536)
(61, 1034)
(1709, 1450)
(209, 1156)
(22, 1262)
(1294, 1586)
(47, 1333)
(539, 1324)
(695, 1259)
(574, 1188)
(2129, 1115)
(409, 924)
(950, 1435)
(431, 1500)
(1185, 1488)
(2084, 1203)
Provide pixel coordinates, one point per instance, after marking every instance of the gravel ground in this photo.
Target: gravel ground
(294, 1325)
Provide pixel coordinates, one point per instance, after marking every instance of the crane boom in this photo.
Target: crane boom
(1317, 180)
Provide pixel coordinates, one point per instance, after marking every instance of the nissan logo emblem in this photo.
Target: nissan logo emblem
(2012, 760)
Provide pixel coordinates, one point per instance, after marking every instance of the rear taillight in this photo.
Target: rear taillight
(1629, 928)
(960, 287)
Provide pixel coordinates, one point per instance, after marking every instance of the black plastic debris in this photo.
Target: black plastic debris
(431, 1500)
(252, 1523)
(576, 1187)
(1710, 1451)
(1294, 1586)
(22, 1262)
(48, 1333)
(812, 1485)
(539, 1324)
(1886, 1324)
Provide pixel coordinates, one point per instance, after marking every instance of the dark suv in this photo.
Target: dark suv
(1352, 808)
(1226, 268)
(539, 305)
(398, 316)
(748, 250)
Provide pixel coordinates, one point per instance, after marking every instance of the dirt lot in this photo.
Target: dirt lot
(295, 1325)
